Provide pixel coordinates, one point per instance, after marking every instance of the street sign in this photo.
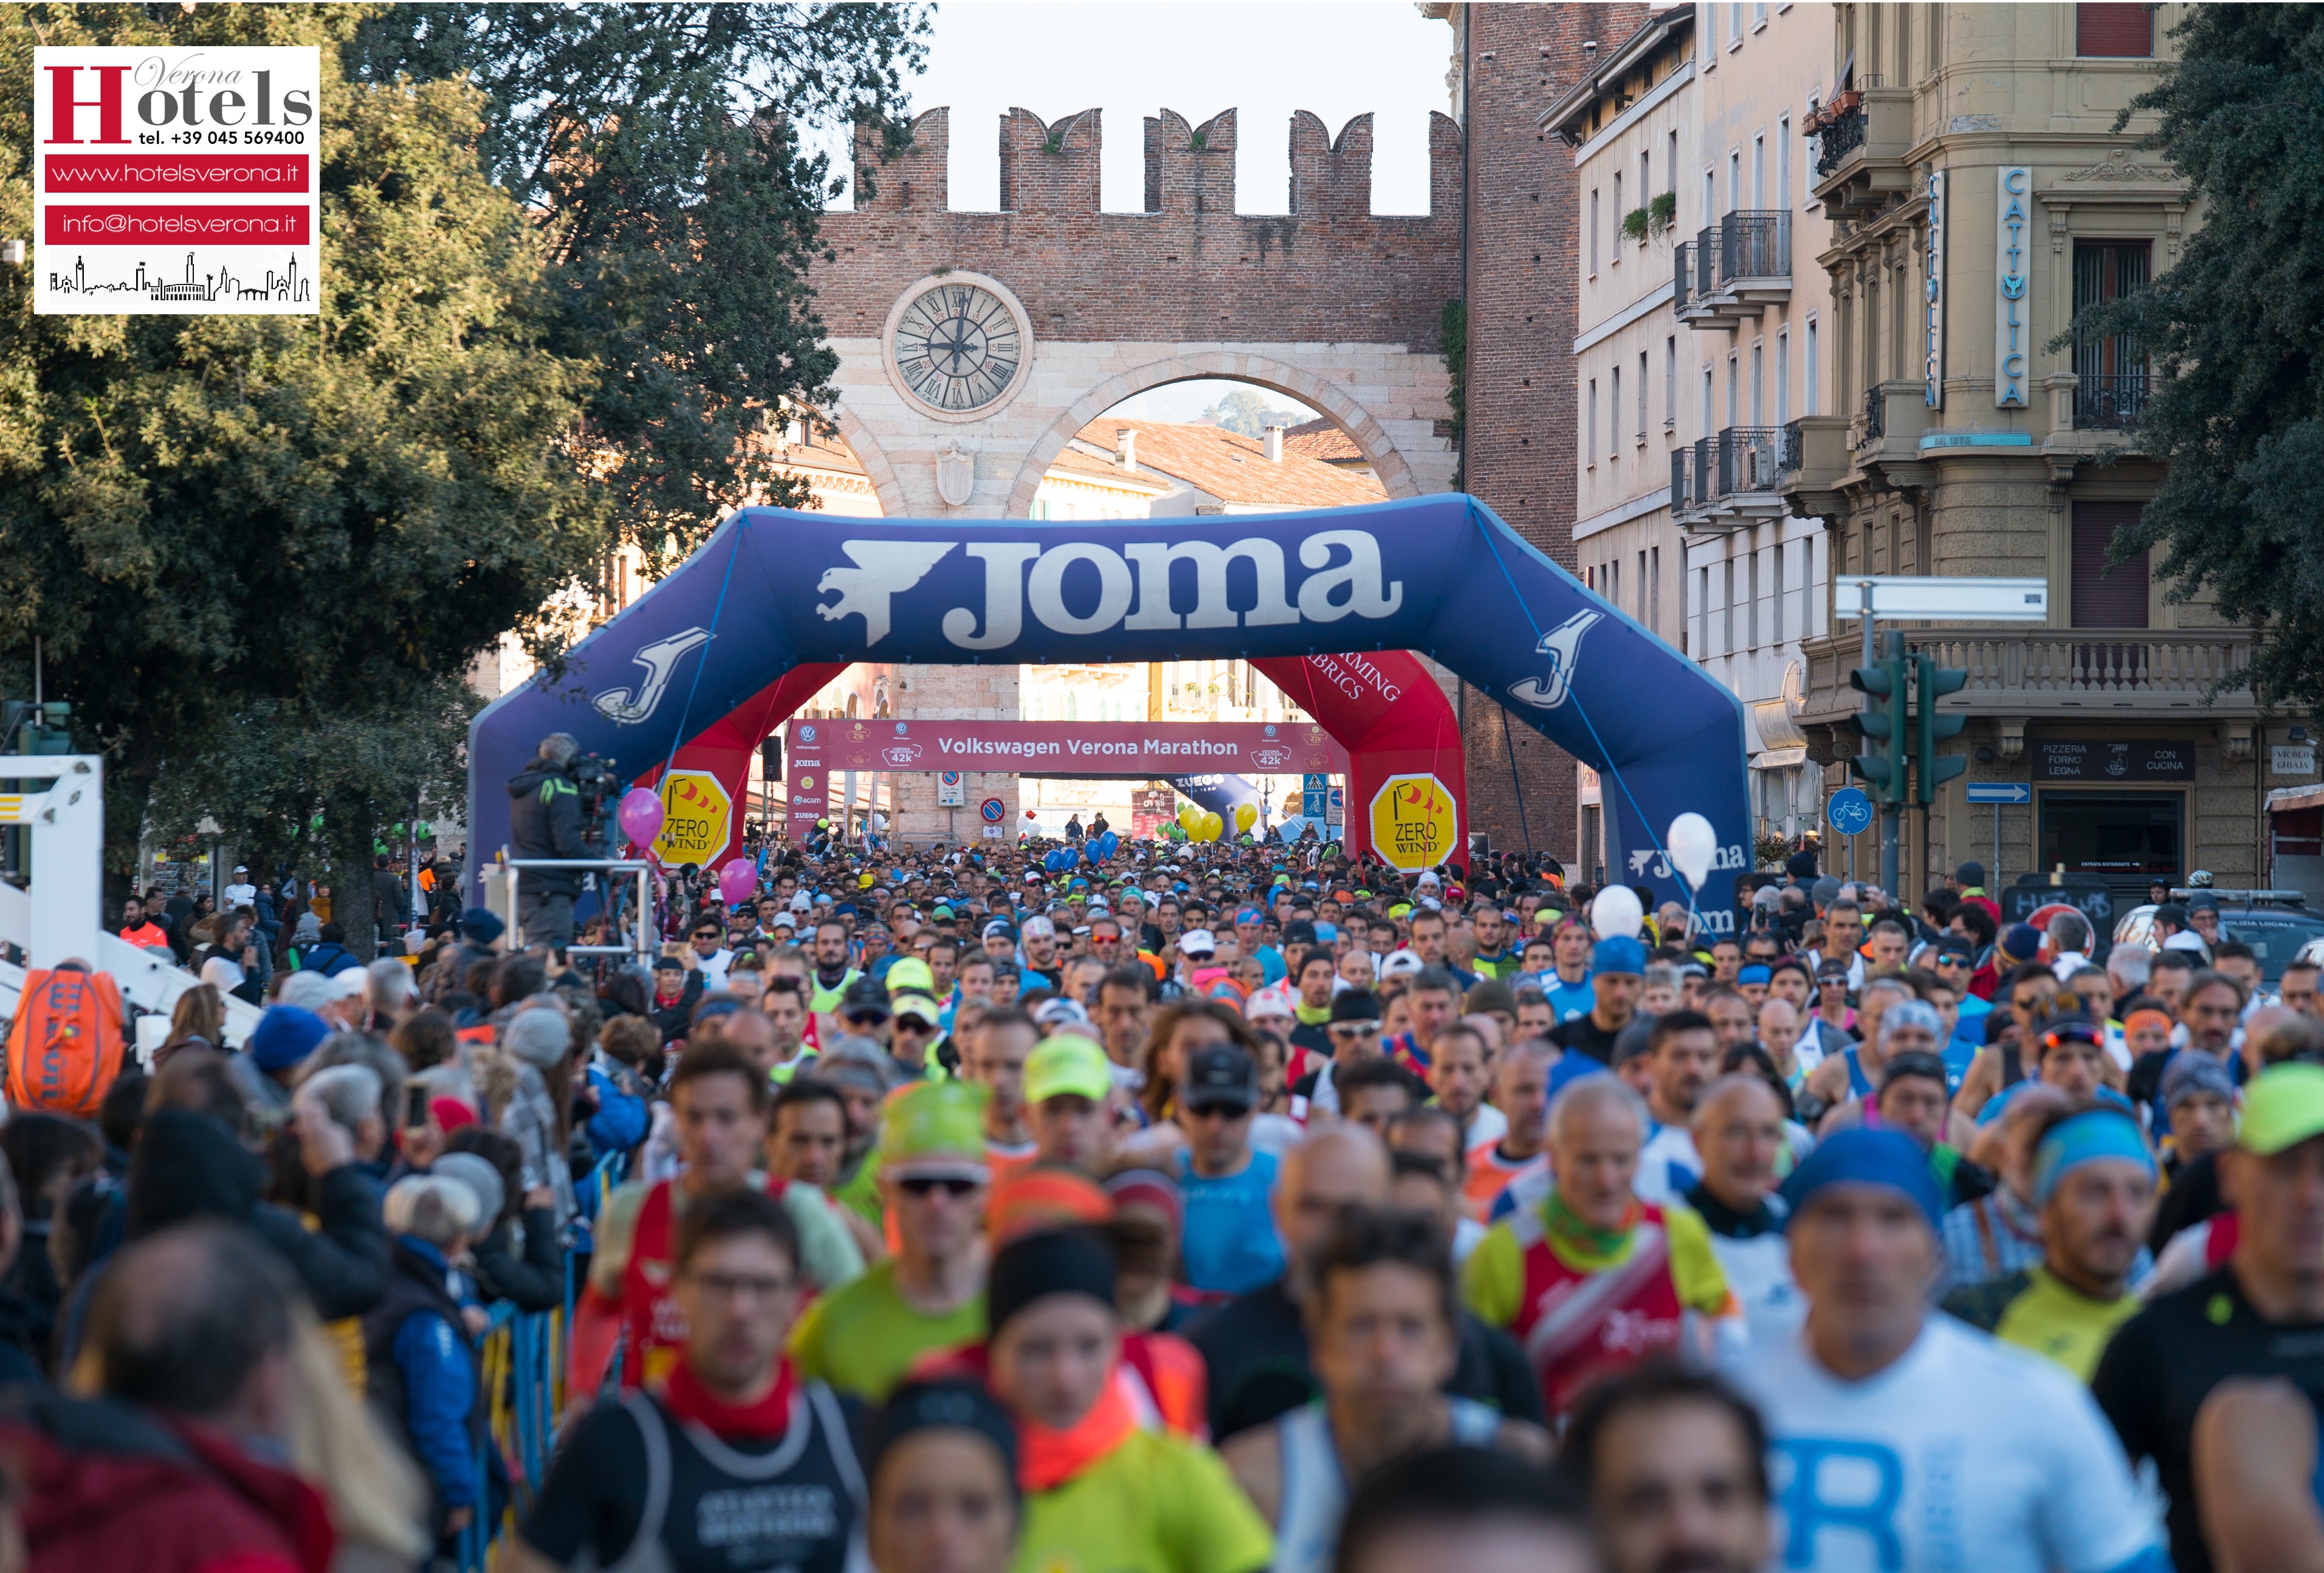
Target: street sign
(1944, 599)
(1415, 825)
(2000, 791)
(1336, 812)
(951, 789)
(1849, 810)
(992, 810)
(696, 815)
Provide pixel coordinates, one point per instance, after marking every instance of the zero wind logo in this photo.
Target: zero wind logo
(1133, 585)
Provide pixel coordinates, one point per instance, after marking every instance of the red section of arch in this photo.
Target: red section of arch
(1387, 712)
(1383, 707)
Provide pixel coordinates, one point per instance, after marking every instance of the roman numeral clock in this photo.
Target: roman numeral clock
(958, 346)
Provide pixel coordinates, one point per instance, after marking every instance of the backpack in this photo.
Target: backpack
(65, 1046)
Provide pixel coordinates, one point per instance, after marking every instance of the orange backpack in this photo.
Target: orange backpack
(65, 1045)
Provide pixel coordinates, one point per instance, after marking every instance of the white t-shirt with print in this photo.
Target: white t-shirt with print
(1965, 1455)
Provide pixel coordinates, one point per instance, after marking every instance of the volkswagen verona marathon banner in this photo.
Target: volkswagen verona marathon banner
(176, 181)
(818, 751)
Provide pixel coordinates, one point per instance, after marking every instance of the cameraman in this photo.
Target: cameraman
(544, 821)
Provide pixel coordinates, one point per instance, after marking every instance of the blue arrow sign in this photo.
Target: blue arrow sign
(2000, 791)
(1849, 810)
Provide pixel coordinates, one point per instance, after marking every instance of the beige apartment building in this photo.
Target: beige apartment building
(1979, 197)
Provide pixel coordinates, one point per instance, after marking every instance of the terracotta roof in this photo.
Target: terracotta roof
(1090, 464)
(1320, 438)
(1234, 468)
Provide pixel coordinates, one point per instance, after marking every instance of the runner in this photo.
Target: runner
(1521, 1093)
(995, 1061)
(1674, 1464)
(1384, 1339)
(930, 1294)
(941, 1459)
(718, 1101)
(1230, 1245)
(1068, 1087)
(1913, 1442)
(1683, 1051)
(1590, 1279)
(2094, 1185)
(729, 1460)
(1738, 1130)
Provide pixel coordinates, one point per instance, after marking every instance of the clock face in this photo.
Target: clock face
(957, 347)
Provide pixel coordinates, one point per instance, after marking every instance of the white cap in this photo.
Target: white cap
(1402, 964)
(2185, 939)
(349, 983)
(802, 902)
(1037, 927)
(1197, 942)
(1268, 1004)
(1428, 876)
(1062, 1011)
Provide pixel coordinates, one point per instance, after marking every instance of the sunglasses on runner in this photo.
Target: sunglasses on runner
(923, 1184)
(1224, 1111)
(1354, 1029)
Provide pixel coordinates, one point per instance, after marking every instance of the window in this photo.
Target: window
(1655, 590)
(1614, 584)
(1775, 563)
(1734, 23)
(1639, 587)
(1811, 375)
(1642, 395)
(1759, 383)
(1758, 16)
(1670, 163)
(1593, 232)
(1784, 377)
(1619, 213)
(2111, 368)
(1727, 610)
(2103, 599)
(1614, 417)
(1710, 410)
(1669, 381)
(1709, 196)
(1703, 610)
(1784, 163)
(2116, 31)
(1734, 179)
(1752, 606)
(1734, 389)
(1590, 427)
(1759, 170)
(1646, 181)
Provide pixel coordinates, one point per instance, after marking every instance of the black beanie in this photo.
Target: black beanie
(1052, 1262)
(942, 1405)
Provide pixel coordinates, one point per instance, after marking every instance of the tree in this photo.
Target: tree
(659, 144)
(265, 540)
(1246, 412)
(2234, 331)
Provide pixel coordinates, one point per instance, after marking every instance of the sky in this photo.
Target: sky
(1130, 59)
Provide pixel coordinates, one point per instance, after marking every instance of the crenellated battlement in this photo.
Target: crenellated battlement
(1188, 266)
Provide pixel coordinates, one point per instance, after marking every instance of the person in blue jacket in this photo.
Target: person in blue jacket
(419, 1356)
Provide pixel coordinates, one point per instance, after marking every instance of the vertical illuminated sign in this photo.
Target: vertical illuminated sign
(1933, 306)
(2013, 265)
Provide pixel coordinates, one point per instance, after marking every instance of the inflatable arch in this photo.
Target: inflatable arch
(776, 603)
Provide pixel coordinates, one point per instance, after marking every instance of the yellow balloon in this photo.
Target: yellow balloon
(1246, 816)
(1190, 817)
(1213, 826)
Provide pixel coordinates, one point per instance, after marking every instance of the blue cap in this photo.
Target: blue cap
(1619, 954)
(1325, 933)
(1755, 973)
(1866, 1157)
(482, 924)
(285, 1035)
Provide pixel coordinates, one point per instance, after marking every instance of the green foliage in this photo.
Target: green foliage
(1453, 343)
(229, 531)
(2234, 331)
(660, 143)
(1634, 224)
(1662, 211)
(1246, 411)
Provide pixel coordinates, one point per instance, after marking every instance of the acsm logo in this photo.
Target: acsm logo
(1132, 585)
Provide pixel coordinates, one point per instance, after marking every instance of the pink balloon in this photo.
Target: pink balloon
(640, 816)
(737, 880)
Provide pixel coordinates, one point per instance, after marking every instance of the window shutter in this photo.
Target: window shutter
(2121, 31)
(2103, 599)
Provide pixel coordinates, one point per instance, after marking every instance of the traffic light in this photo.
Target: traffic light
(29, 728)
(1930, 769)
(1883, 721)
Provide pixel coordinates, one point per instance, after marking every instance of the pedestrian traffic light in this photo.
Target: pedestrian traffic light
(1883, 721)
(1930, 769)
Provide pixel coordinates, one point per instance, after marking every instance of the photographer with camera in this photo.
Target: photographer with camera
(546, 818)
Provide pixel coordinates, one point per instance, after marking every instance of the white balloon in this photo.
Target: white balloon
(1693, 845)
(1615, 913)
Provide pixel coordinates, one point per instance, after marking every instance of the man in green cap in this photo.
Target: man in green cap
(2260, 1314)
(930, 1294)
(1069, 1080)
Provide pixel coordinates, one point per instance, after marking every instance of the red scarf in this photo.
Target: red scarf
(1047, 1457)
(763, 1421)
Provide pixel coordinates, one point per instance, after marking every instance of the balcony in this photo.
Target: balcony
(1814, 460)
(1732, 272)
(1861, 164)
(1722, 482)
(2112, 402)
(2057, 672)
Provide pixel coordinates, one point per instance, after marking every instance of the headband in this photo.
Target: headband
(2132, 1019)
(2084, 1138)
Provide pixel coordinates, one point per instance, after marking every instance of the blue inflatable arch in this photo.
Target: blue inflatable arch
(1441, 575)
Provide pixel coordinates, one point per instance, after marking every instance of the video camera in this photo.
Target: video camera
(600, 790)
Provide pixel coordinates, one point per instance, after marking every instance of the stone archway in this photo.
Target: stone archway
(861, 442)
(1397, 473)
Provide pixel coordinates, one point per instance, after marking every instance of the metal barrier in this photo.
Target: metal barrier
(521, 1358)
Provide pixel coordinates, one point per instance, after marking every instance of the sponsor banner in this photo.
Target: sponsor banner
(1141, 749)
(203, 165)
